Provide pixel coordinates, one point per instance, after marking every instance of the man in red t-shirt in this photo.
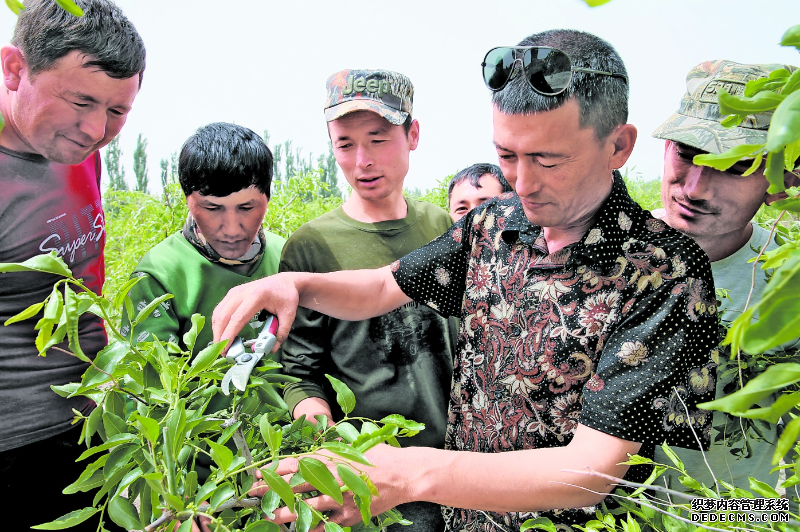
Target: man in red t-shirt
(69, 85)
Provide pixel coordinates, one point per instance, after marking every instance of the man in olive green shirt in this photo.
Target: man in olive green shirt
(401, 362)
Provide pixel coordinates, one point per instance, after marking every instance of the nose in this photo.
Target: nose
(231, 226)
(697, 182)
(525, 180)
(364, 157)
(93, 125)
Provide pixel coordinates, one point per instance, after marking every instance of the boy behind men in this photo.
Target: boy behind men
(225, 172)
(397, 363)
(716, 208)
(68, 85)
(472, 186)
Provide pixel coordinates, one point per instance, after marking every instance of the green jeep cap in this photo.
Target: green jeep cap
(697, 122)
(389, 94)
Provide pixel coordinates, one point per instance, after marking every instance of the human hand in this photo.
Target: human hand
(385, 474)
(277, 294)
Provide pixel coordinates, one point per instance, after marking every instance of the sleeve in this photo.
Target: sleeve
(657, 366)
(162, 322)
(435, 274)
(304, 352)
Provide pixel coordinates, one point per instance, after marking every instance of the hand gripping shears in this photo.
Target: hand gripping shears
(244, 362)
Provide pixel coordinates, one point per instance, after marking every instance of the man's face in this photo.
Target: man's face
(703, 202)
(465, 197)
(372, 153)
(560, 171)
(229, 223)
(67, 112)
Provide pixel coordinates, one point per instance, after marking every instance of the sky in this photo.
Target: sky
(263, 64)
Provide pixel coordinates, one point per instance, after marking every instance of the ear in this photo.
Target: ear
(413, 135)
(13, 66)
(622, 139)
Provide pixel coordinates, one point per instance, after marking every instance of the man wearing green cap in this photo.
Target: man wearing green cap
(401, 362)
(715, 208)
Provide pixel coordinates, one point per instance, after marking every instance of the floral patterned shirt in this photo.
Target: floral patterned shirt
(615, 332)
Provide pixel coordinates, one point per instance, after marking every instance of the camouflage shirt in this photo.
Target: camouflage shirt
(615, 332)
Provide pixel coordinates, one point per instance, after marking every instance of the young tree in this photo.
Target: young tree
(140, 163)
(114, 168)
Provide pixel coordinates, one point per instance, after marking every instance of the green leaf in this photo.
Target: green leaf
(774, 171)
(779, 310)
(119, 458)
(271, 436)
(124, 290)
(91, 424)
(595, 3)
(114, 403)
(279, 486)
(123, 513)
(737, 105)
(353, 481)
(106, 362)
(15, 6)
(540, 523)
(784, 127)
(344, 396)
(365, 442)
(400, 421)
(132, 476)
(364, 507)
(71, 303)
(148, 427)
(756, 486)
(345, 451)
(191, 335)
(773, 379)
(787, 440)
(330, 526)
(70, 7)
(318, 475)
(147, 310)
(176, 424)
(119, 439)
(673, 457)
(269, 502)
(29, 312)
(347, 431)
(205, 358)
(221, 494)
(266, 392)
(67, 521)
(206, 490)
(304, 516)
(725, 160)
(113, 424)
(221, 455)
(783, 404)
(186, 526)
(792, 84)
(50, 263)
(792, 37)
(262, 526)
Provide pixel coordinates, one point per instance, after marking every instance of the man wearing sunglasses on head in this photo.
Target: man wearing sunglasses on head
(715, 208)
(582, 316)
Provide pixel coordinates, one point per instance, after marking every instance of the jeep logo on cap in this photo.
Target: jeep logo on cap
(360, 84)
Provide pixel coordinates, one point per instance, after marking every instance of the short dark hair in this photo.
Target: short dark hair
(474, 173)
(603, 100)
(45, 33)
(221, 158)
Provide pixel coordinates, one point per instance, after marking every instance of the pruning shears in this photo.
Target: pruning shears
(244, 361)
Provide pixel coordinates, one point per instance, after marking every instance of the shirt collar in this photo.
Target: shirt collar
(617, 220)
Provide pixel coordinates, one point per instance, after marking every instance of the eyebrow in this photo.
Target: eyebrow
(91, 99)
(545, 154)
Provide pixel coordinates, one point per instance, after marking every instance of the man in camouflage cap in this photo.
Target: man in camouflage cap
(400, 362)
(716, 208)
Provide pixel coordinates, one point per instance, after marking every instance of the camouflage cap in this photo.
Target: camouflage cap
(389, 94)
(697, 122)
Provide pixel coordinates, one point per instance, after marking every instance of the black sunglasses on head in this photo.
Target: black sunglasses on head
(548, 70)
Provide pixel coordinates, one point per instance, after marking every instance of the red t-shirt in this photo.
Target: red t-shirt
(45, 206)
